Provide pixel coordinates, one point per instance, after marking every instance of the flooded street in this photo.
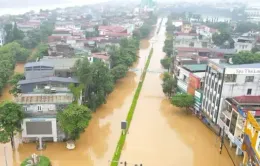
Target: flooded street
(160, 134)
(163, 135)
(97, 144)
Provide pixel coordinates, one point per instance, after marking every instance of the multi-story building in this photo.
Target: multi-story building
(253, 13)
(2, 37)
(223, 80)
(233, 117)
(244, 43)
(191, 80)
(251, 143)
(44, 93)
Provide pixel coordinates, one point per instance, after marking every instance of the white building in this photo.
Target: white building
(40, 115)
(253, 13)
(2, 36)
(223, 80)
(244, 44)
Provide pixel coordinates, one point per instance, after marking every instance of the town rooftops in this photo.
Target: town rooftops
(34, 64)
(196, 67)
(57, 98)
(60, 63)
(101, 55)
(223, 51)
(247, 100)
(186, 34)
(48, 79)
(220, 63)
(118, 29)
(192, 49)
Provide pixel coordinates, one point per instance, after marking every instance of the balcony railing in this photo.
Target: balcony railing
(46, 114)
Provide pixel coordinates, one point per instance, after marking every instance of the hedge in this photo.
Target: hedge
(130, 114)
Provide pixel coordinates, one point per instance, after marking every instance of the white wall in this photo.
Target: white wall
(54, 128)
(40, 107)
(239, 46)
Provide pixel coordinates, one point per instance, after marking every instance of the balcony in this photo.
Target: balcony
(40, 114)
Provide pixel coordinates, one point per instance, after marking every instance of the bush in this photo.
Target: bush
(44, 161)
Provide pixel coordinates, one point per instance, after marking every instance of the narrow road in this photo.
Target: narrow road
(163, 135)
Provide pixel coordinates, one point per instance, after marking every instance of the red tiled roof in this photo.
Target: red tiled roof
(112, 28)
(116, 34)
(247, 99)
(101, 55)
(192, 49)
(186, 34)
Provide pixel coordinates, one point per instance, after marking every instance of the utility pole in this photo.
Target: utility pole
(6, 164)
(222, 140)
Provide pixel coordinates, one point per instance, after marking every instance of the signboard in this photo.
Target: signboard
(215, 67)
(123, 125)
(243, 71)
(194, 81)
(182, 85)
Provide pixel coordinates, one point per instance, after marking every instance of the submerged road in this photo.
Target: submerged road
(163, 135)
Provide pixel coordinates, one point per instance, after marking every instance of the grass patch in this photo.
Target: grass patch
(130, 114)
(44, 161)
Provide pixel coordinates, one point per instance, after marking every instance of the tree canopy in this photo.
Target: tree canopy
(168, 45)
(166, 62)
(183, 100)
(12, 33)
(223, 40)
(169, 84)
(78, 117)
(243, 27)
(13, 82)
(246, 57)
(11, 116)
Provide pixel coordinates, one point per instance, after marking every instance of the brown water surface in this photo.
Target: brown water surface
(163, 135)
(97, 144)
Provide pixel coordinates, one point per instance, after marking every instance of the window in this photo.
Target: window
(184, 78)
(216, 86)
(249, 91)
(39, 108)
(219, 89)
(249, 79)
(230, 77)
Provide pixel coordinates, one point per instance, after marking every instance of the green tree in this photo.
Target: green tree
(119, 71)
(255, 50)
(145, 30)
(11, 116)
(223, 38)
(76, 91)
(183, 100)
(14, 83)
(169, 84)
(168, 46)
(12, 33)
(166, 62)
(243, 27)
(246, 57)
(78, 117)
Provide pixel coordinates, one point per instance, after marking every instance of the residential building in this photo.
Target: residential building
(113, 31)
(101, 56)
(44, 93)
(205, 31)
(190, 40)
(2, 37)
(223, 80)
(253, 13)
(28, 26)
(61, 49)
(191, 80)
(233, 117)
(40, 110)
(245, 43)
(251, 143)
(186, 27)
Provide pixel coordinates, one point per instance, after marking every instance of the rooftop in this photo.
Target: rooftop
(57, 98)
(48, 79)
(60, 63)
(192, 49)
(247, 100)
(196, 67)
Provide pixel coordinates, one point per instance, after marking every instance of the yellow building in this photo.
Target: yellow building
(251, 143)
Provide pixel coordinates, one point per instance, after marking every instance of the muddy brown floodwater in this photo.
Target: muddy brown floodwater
(97, 144)
(163, 135)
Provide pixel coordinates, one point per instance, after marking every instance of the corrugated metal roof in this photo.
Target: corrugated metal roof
(46, 79)
(196, 67)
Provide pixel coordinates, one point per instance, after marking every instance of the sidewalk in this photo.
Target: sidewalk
(237, 160)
